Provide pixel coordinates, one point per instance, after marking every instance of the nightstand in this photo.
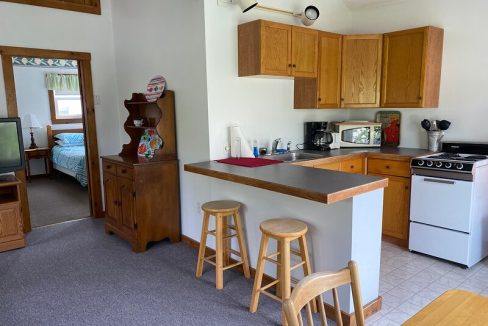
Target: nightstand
(37, 153)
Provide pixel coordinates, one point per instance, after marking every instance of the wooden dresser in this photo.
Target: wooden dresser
(142, 196)
(11, 229)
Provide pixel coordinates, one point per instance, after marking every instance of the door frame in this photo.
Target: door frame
(89, 123)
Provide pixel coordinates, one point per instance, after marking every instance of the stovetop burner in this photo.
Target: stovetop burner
(458, 157)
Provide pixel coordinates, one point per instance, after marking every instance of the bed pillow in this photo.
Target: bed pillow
(63, 144)
(71, 137)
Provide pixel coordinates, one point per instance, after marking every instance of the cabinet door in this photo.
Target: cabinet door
(361, 71)
(353, 166)
(329, 75)
(275, 49)
(127, 203)
(10, 223)
(111, 196)
(396, 207)
(305, 49)
(402, 69)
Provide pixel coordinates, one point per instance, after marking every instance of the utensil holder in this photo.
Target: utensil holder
(434, 140)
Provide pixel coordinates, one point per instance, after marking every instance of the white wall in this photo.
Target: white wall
(464, 80)
(46, 28)
(32, 97)
(262, 106)
(154, 40)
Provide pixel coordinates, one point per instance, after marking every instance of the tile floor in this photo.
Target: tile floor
(410, 281)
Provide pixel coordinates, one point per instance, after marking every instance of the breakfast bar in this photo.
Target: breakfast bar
(343, 212)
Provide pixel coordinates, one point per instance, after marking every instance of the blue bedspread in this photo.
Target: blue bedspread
(73, 159)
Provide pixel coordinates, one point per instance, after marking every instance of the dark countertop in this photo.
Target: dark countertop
(314, 184)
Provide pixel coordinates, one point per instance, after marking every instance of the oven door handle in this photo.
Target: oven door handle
(447, 182)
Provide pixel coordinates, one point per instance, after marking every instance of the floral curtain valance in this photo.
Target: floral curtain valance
(62, 82)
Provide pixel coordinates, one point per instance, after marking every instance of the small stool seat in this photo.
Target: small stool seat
(223, 232)
(283, 228)
(221, 206)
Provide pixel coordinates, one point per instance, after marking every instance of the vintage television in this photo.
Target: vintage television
(11, 145)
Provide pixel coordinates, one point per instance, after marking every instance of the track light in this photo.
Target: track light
(309, 15)
(247, 5)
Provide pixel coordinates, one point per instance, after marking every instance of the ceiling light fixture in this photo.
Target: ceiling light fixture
(308, 16)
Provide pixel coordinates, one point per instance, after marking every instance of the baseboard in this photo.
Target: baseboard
(347, 319)
(399, 242)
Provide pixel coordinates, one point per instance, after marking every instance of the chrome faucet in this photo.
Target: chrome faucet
(288, 147)
(274, 145)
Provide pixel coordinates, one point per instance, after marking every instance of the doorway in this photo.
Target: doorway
(88, 119)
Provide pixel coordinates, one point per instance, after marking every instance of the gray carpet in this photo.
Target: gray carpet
(74, 274)
(56, 200)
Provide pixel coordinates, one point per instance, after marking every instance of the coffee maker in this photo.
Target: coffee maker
(317, 138)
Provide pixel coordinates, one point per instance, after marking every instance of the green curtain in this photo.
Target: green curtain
(61, 82)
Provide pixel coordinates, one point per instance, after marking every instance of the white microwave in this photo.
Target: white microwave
(358, 133)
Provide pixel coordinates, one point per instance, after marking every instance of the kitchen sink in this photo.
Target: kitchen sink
(293, 156)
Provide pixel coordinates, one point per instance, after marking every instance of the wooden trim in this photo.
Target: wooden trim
(86, 90)
(52, 107)
(399, 242)
(41, 53)
(90, 7)
(348, 319)
(90, 127)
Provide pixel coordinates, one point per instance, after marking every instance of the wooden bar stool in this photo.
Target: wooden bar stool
(284, 230)
(222, 209)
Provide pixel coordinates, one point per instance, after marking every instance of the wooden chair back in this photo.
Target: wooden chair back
(313, 286)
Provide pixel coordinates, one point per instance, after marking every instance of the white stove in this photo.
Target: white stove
(449, 203)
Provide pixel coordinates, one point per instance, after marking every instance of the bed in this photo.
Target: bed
(69, 160)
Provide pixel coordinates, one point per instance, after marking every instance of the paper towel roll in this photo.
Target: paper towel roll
(237, 139)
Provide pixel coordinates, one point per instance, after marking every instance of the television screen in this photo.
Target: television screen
(11, 145)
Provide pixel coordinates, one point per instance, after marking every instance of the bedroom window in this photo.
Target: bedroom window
(65, 107)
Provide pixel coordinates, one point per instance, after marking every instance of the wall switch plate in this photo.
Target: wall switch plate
(98, 101)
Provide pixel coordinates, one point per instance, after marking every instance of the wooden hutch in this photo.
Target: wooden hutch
(142, 197)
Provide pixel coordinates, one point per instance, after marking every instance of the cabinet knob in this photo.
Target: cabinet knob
(387, 166)
(352, 166)
(407, 187)
(123, 171)
(294, 66)
(108, 167)
(289, 65)
(420, 97)
(342, 99)
(320, 100)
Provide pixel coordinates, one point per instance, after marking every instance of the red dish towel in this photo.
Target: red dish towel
(249, 162)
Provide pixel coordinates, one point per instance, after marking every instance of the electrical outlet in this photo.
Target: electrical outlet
(225, 2)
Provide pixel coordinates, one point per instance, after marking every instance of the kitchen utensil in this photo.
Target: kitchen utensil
(390, 127)
(433, 125)
(444, 124)
(425, 124)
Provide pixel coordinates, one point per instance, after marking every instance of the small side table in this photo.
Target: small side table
(37, 153)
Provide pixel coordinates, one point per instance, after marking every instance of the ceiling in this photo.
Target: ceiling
(359, 4)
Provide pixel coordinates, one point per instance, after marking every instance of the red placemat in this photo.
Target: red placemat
(249, 162)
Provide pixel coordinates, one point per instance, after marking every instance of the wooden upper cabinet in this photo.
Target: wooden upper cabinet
(88, 6)
(329, 77)
(361, 71)
(305, 50)
(412, 62)
(268, 48)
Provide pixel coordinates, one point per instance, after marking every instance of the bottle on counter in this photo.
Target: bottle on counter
(255, 149)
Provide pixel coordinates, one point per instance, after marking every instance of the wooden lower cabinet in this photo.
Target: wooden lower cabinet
(355, 165)
(141, 200)
(11, 228)
(336, 166)
(396, 207)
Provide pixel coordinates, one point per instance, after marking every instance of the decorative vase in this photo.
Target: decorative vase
(149, 143)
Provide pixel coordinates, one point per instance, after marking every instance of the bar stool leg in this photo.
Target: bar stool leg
(278, 267)
(203, 245)
(226, 241)
(219, 272)
(242, 245)
(307, 268)
(285, 277)
(258, 278)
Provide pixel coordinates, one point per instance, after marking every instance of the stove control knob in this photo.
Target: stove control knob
(459, 166)
(430, 163)
(438, 164)
(448, 165)
(420, 163)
